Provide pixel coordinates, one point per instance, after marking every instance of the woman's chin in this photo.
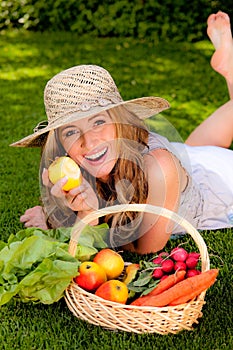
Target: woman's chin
(103, 173)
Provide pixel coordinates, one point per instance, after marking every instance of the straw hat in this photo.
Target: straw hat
(80, 92)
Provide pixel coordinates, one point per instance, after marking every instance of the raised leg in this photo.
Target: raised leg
(217, 130)
(219, 32)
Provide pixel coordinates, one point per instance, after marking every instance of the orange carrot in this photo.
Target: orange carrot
(168, 282)
(163, 285)
(186, 287)
(184, 299)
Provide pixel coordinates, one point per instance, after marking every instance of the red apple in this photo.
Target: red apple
(113, 290)
(91, 276)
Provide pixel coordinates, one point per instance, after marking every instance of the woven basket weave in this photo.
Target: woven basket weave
(137, 319)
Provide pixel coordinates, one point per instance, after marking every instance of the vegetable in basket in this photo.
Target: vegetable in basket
(180, 292)
(35, 264)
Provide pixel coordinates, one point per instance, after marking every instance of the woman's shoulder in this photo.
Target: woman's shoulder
(160, 149)
(177, 149)
(162, 166)
(161, 157)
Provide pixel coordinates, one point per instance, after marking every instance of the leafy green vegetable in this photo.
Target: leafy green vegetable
(144, 283)
(35, 264)
(91, 239)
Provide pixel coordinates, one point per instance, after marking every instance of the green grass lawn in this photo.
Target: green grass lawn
(179, 72)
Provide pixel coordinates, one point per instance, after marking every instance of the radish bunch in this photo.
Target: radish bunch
(178, 259)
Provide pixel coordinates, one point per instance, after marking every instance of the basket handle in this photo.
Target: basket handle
(78, 227)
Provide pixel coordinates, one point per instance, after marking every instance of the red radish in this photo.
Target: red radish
(163, 277)
(191, 273)
(179, 254)
(158, 260)
(180, 265)
(194, 255)
(167, 265)
(191, 262)
(157, 273)
(163, 255)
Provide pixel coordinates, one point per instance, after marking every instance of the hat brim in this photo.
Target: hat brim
(143, 107)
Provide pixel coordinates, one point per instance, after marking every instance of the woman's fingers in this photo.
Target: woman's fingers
(57, 190)
(34, 217)
(77, 197)
(81, 198)
(45, 177)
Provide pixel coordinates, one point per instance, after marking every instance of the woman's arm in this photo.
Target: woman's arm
(166, 180)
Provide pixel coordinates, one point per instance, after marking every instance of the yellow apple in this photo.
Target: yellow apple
(65, 166)
(111, 261)
(113, 290)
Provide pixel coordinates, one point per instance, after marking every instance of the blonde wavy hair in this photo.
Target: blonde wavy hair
(127, 182)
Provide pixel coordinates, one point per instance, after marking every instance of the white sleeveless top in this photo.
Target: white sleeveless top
(207, 201)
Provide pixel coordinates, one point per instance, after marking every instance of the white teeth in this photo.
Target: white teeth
(96, 155)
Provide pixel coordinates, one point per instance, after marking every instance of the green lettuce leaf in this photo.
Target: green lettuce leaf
(35, 264)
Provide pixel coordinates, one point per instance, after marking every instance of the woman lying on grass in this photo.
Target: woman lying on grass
(122, 162)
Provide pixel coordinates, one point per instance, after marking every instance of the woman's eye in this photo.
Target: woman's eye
(71, 133)
(99, 122)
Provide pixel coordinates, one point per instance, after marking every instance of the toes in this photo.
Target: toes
(211, 18)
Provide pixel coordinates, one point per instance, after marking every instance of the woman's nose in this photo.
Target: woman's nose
(90, 139)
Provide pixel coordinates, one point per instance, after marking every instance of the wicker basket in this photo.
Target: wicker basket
(137, 319)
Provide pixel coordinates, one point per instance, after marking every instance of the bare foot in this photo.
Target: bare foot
(219, 32)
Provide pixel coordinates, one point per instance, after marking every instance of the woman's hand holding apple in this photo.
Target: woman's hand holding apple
(66, 182)
(81, 199)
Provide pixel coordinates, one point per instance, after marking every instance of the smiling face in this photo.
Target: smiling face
(91, 142)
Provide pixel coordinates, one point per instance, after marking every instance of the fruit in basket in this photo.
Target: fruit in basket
(130, 273)
(111, 261)
(65, 166)
(113, 290)
(91, 276)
